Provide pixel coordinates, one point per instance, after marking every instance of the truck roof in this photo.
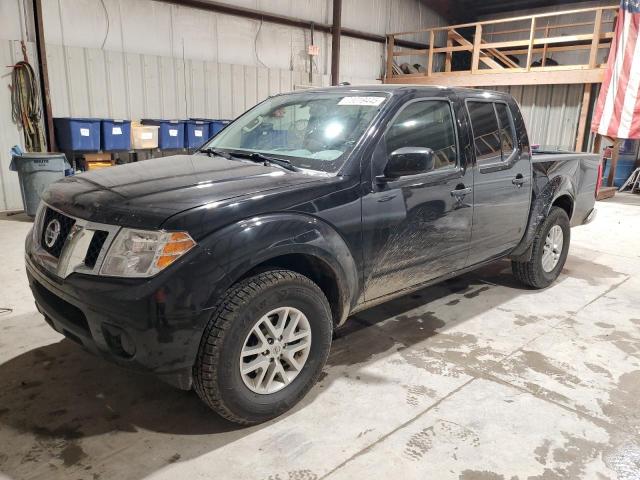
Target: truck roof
(396, 89)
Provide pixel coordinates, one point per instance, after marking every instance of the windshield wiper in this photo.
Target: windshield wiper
(215, 151)
(261, 158)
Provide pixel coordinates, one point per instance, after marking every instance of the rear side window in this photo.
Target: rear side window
(507, 135)
(486, 132)
(428, 124)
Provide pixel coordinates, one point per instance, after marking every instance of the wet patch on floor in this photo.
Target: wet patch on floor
(568, 460)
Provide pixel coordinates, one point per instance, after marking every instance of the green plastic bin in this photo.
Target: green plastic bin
(36, 171)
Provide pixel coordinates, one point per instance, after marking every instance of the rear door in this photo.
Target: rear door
(501, 181)
(417, 227)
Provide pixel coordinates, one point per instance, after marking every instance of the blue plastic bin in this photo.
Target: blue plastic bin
(196, 133)
(624, 168)
(170, 134)
(77, 134)
(217, 125)
(116, 135)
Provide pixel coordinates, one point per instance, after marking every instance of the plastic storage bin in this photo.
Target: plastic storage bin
(170, 135)
(35, 172)
(144, 136)
(624, 169)
(116, 135)
(77, 134)
(196, 133)
(217, 125)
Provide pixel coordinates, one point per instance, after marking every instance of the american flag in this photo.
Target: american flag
(617, 113)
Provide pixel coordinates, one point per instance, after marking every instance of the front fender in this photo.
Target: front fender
(237, 248)
(542, 202)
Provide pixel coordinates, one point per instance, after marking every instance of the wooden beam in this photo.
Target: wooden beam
(449, 55)
(542, 41)
(491, 63)
(584, 112)
(485, 78)
(406, 53)
(547, 27)
(43, 71)
(532, 38)
(475, 56)
(565, 48)
(511, 19)
(593, 53)
(615, 154)
(429, 70)
(389, 70)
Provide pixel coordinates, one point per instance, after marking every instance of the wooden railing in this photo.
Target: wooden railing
(495, 60)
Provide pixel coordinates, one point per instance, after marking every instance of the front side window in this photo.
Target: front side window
(426, 124)
(314, 131)
(486, 132)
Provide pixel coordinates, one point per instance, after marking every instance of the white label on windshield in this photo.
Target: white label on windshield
(367, 101)
(173, 132)
(197, 133)
(116, 131)
(146, 135)
(84, 132)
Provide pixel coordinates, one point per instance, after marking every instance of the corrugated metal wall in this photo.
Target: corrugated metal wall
(88, 82)
(141, 58)
(551, 112)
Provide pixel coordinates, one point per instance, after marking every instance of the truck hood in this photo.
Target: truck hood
(145, 194)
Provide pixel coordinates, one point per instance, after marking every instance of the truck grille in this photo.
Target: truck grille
(55, 230)
(95, 247)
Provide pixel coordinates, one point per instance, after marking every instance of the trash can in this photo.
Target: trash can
(35, 172)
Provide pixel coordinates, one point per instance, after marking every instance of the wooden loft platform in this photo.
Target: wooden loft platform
(494, 60)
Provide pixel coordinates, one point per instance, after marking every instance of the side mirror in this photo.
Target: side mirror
(408, 161)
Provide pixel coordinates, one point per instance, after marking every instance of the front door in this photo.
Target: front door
(502, 180)
(417, 227)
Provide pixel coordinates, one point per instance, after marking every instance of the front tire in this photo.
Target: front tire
(264, 346)
(549, 251)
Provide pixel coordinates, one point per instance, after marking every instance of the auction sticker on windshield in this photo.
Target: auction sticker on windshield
(372, 101)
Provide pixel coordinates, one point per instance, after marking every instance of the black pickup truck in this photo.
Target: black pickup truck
(228, 270)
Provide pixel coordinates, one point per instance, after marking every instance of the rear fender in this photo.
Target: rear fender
(540, 208)
(238, 248)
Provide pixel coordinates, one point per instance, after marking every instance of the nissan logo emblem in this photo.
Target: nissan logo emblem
(52, 233)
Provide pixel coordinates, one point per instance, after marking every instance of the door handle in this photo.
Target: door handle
(518, 181)
(460, 192)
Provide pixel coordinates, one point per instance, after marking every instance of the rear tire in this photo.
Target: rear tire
(549, 251)
(223, 378)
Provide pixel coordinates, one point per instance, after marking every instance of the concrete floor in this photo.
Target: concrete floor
(477, 378)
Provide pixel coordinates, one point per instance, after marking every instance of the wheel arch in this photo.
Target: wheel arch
(564, 201)
(297, 242)
(558, 191)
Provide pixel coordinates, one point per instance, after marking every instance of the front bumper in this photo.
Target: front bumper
(154, 325)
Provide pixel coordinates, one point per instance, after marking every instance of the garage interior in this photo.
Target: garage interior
(475, 378)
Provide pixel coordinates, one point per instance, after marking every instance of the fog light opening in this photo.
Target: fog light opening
(119, 341)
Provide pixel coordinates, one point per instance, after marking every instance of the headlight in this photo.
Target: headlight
(143, 253)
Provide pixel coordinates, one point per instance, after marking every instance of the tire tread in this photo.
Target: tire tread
(208, 360)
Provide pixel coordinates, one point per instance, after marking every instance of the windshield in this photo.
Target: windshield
(313, 131)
